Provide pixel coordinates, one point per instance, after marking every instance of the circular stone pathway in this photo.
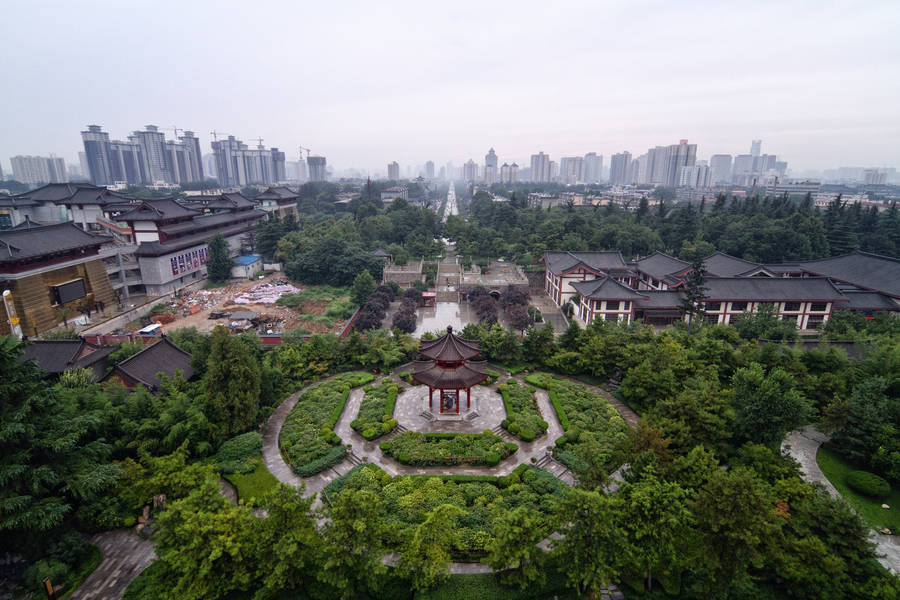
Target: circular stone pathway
(803, 446)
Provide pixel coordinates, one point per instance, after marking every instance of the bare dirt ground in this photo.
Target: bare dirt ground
(221, 299)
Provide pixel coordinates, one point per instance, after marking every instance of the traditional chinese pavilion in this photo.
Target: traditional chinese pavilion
(445, 367)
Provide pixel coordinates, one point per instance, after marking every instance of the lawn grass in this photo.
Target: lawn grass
(486, 586)
(77, 576)
(836, 468)
(211, 285)
(254, 484)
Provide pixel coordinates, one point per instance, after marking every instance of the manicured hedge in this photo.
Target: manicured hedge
(523, 418)
(408, 499)
(307, 439)
(868, 484)
(583, 415)
(236, 455)
(375, 417)
(443, 449)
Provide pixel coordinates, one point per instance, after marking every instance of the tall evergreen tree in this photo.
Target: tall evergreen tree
(694, 292)
(232, 384)
(218, 267)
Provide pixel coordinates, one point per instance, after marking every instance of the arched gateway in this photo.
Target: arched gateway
(445, 367)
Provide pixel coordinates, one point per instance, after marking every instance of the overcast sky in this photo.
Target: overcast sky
(364, 83)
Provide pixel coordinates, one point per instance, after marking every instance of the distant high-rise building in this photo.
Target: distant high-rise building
(593, 167)
(571, 170)
(317, 168)
(209, 165)
(451, 171)
(656, 165)
(393, 171)
(697, 177)
(83, 163)
(678, 156)
(442, 174)
(39, 169)
(619, 167)
(509, 173)
(96, 151)
(470, 171)
(153, 148)
(490, 167)
(639, 169)
(720, 164)
(145, 158)
(742, 170)
(239, 165)
(874, 177)
(429, 169)
(296, 170)
(184, 161)
(540, 168)
(755, 147)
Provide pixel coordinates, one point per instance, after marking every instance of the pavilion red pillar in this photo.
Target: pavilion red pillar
(468, 398)
(430, 398)
(457, 401)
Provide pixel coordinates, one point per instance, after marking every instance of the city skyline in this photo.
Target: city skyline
(827, 102)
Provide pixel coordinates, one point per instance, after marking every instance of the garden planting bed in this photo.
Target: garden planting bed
(307, 440)
(483, 499)
(375, 417)
(523, 417)
(584, 417)
(448, 449)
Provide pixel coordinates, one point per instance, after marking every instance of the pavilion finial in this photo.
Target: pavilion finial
(449, 328)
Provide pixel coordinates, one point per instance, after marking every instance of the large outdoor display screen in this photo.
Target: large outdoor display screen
(66, 292)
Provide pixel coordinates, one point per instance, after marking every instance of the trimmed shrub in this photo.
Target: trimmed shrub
(376, 410)
(307, 439)
(440, 449)
(868, 484)
(236, 455)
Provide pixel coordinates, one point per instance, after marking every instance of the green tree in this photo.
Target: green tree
(591, 540)
(207, 547)
(538, 344)
(766, 406)
(51, 458)
(513, 551)
(354, 542)
(363, 286)
(231, 384)
(218, 266)
(694, 292)
(426, 556)
(735, 521)
(291, 548)
(656, 522)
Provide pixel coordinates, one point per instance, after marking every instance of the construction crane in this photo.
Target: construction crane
(301, 152)
(214, 133)
(260, 140)
(174, 128)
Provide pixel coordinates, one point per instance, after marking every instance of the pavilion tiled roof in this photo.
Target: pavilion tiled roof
(561, 262)
(162, 357)
(48, 239)
(462, 377)
(863, 269)
(450, 348)
(719, 264)
(772, 289)
(606, 288)
(659, 265)
(57, 356)
(157, 209)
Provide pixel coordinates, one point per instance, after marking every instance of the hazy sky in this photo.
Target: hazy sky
(364, 83)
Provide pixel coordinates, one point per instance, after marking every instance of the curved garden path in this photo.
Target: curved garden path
(125, 555)
(803, 445)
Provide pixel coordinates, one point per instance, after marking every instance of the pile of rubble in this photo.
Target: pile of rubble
(265, 293)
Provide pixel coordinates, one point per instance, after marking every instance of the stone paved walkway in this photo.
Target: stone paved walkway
(803, 445)
(125, 555)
